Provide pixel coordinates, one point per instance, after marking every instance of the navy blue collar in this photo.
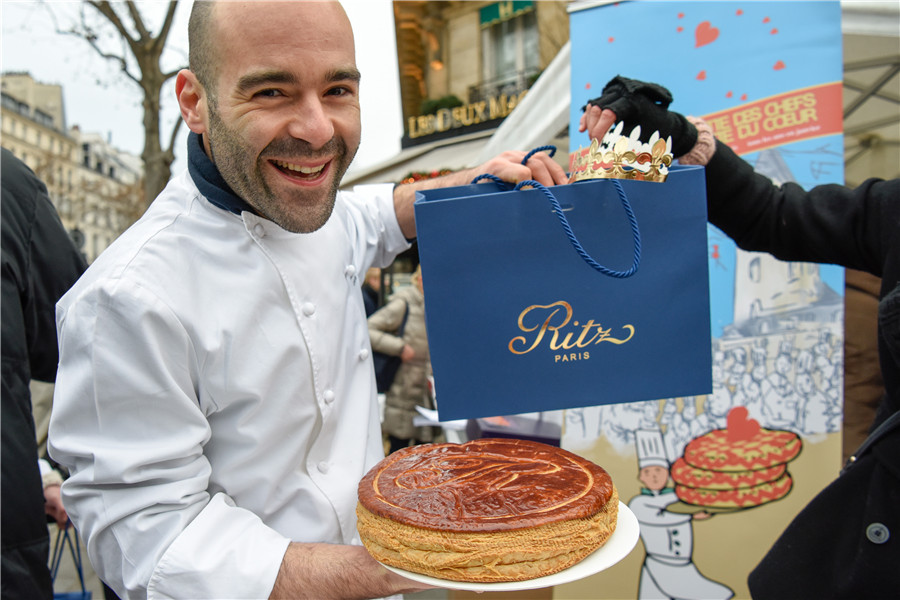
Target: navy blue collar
(209, 181)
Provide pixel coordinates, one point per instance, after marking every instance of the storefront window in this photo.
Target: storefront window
(510, 44)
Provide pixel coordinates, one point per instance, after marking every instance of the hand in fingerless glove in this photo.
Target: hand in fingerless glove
(646, 104)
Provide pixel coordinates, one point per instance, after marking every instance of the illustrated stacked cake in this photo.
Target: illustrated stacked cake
(489, 510)
(741, 466)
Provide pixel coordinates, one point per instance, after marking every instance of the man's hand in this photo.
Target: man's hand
(507, 166)
(53, 505)
(638, 103)
(407, 354)
(332, 571)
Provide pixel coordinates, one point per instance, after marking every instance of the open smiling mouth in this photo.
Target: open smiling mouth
(299, 171)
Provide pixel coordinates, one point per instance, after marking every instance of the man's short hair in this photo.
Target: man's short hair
(200, 46)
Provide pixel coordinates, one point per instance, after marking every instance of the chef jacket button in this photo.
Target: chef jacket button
(323, 467)
(329, 396)
(309, 308)
(350, 271)
(364, 354)
(259, 230)
(877, 533)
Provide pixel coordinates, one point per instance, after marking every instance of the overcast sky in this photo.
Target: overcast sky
(99, 99)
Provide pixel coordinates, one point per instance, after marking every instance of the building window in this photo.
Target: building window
(509, 45)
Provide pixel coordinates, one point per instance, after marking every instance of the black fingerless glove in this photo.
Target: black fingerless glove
(646, 104)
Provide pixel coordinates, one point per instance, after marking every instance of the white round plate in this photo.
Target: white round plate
(617, 547)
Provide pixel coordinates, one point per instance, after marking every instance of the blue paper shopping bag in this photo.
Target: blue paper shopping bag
(529, 312)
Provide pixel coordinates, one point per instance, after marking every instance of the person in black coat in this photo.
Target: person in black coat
(846, 542)
(39, 264)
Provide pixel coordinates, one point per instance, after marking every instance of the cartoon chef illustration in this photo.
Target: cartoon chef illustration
(668, 570)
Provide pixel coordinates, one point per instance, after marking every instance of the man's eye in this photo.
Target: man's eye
(339, 91)
(271, 93)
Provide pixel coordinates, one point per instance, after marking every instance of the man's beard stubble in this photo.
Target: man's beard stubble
(242, 171)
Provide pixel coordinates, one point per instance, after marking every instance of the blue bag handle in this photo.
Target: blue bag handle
(636, 233)
(62, 539)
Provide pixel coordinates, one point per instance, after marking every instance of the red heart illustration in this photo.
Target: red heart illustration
(729, 94)
(587, 86)
(680, 15)
(778, 66)
(774, 30)
(679, 29)
(611, 40)
(705, 34)
(739, 12)
(743, 97)
(766, 20)
(740, 426)
(701, 75)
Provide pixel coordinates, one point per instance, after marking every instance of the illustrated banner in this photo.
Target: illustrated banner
(767, 77)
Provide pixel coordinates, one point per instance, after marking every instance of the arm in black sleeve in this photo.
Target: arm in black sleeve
(852, 227)
(40, 262)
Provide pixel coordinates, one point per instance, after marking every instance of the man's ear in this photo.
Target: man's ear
(192, 101)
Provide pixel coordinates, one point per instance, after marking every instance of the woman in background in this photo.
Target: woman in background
(411, 386)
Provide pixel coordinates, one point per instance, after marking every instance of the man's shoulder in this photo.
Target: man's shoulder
(155, 250)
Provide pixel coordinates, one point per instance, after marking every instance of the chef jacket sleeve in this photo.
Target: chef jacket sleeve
(374, 208)
(128, 422)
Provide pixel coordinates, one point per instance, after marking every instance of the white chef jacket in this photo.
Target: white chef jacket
(668, 571)
(215, 397)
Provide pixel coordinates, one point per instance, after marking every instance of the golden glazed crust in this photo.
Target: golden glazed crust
(489, 510)
(515, 555)
(484, 485)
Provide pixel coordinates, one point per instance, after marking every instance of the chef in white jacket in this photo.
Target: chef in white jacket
(668, 570)
(215, 401)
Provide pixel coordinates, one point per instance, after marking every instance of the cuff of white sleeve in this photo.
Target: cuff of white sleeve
(226, 552)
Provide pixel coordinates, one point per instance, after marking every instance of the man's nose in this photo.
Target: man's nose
(311, 123)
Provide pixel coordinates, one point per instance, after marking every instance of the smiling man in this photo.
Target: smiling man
(216, 400)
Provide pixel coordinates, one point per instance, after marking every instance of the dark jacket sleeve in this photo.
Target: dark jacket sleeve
(852, 227)
(40, 263)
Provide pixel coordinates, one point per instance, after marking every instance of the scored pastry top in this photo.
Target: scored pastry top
(484, 485)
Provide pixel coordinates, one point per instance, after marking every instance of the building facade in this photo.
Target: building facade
(465, 65)
(96, 188)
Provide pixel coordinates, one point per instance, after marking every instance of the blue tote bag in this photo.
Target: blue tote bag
(590, 293)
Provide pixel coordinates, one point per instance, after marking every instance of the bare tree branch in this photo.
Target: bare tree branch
(167, 25)
(173, 135)
(140, 60)
(138, 21)
(107, 11)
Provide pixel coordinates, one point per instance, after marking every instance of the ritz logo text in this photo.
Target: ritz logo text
(551, 327)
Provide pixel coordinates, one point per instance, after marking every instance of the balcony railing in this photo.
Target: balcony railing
(509, 85)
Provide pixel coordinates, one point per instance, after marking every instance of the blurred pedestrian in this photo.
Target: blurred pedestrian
(371, 289)
(411, 386)
(40, 263)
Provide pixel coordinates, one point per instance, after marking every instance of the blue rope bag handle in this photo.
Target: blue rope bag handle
(636, 234)
(62, 539)
(550, 150)
(635, 231)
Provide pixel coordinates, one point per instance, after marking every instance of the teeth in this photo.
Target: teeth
(298, 168)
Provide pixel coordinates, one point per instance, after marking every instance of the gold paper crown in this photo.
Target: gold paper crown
(620, 157)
